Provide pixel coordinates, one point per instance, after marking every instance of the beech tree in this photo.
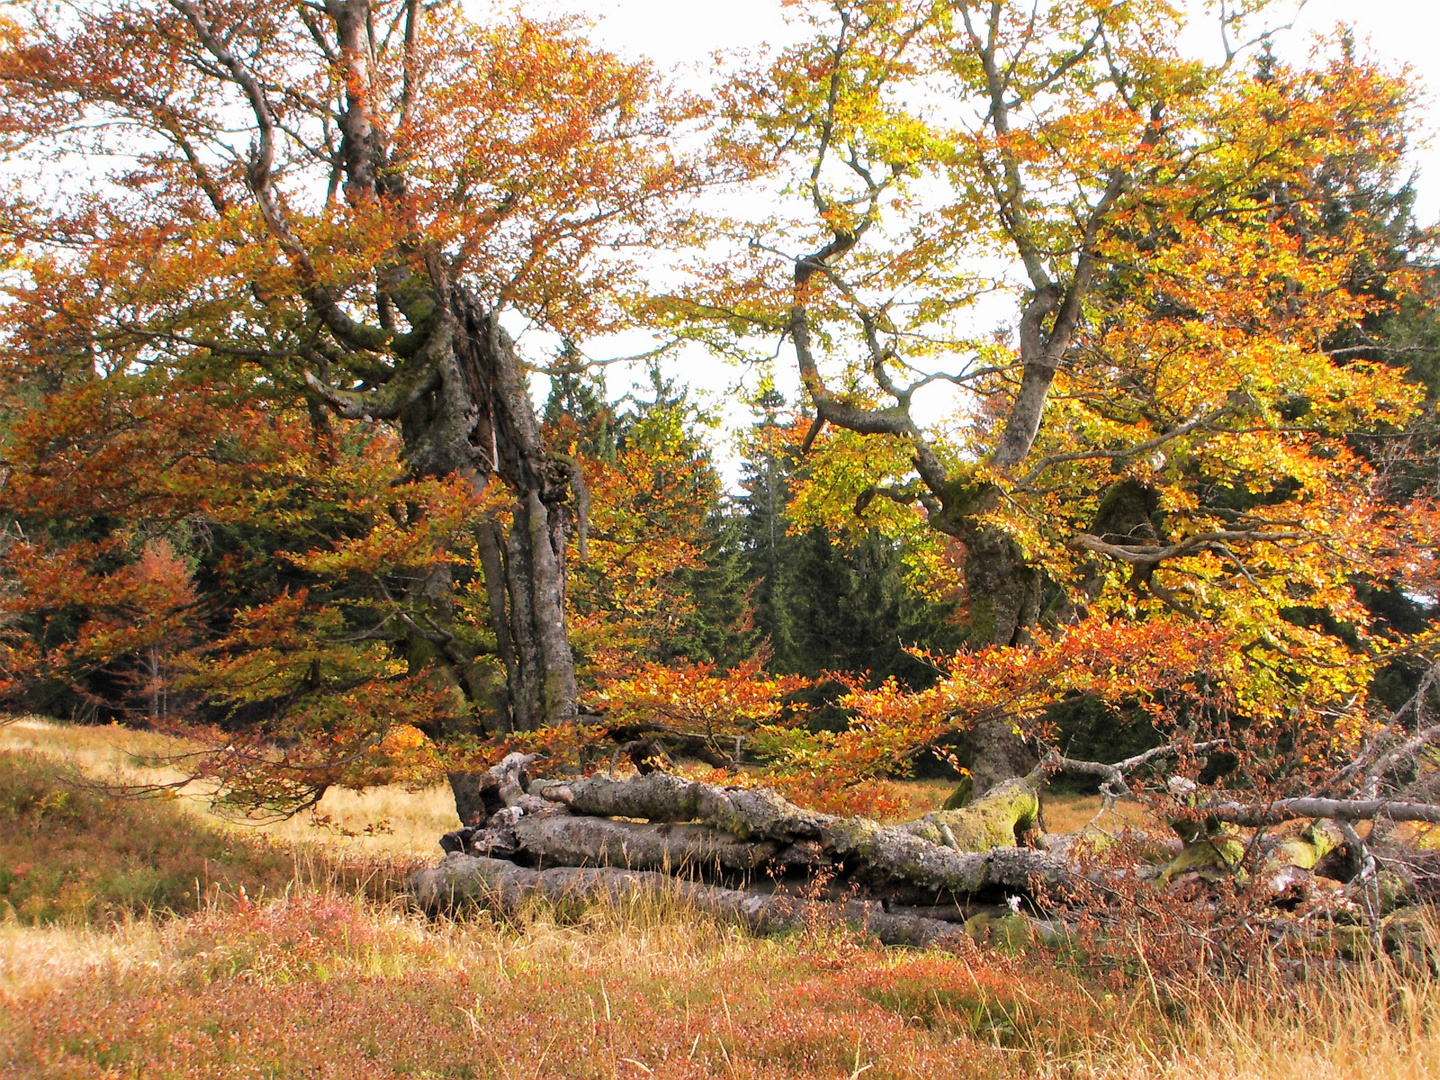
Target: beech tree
(337, 205)
(1159, 428)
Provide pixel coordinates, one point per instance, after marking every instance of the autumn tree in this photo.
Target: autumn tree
(1158, 428)
(657, 584)
(338, 206)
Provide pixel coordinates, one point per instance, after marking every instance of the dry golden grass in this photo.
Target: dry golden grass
(318, 980)
(325, 984)
(1369, 1022)
(375, 823)
(1071, 813)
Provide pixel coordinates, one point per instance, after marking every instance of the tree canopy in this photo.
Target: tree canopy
(274, 465)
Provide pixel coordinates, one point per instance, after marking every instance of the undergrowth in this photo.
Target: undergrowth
(288, 963)
(322, 983)
(72, 852)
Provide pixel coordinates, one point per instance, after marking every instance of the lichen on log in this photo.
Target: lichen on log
(749, 853)
(745, 813)
(662, 822)
(567, 840)
(997, 819)
(501, 885)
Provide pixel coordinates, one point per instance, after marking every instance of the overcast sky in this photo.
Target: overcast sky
(681, 36)
(686, 35)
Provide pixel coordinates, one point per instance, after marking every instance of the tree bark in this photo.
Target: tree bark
(499, 430)
(463, 406)
(1003, 594)
(751, 855)
(465, 880)
(737, 836)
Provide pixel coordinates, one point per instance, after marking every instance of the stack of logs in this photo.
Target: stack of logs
(749, 854)
(746, 853)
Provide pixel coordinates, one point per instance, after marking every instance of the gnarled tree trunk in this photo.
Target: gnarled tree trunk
(452, 381)
(474, 417)
(462, 403)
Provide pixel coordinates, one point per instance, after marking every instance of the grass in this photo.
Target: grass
(314, 977)
(381, 823)
(325, 984)
(69, 853)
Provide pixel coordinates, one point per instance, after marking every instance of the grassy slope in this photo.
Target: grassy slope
(69, 852)
(379, 823)
(319, 981)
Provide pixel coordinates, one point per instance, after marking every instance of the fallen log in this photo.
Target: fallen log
(500, 885)
(566, 840)
(659, 821)
(749, 853)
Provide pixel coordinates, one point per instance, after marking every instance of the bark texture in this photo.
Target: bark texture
(753, 856)
(746, 852)
(463, 880)
(463, 407)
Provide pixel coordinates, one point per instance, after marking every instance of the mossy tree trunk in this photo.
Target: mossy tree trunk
(463, 407)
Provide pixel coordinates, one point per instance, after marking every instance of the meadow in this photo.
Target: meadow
(148, 938)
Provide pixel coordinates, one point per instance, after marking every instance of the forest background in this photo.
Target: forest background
(220, 533)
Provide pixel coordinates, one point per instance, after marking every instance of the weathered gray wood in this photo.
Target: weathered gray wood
(761, 814)
(606, 835)
(567, 840)
(480, 795)
(501, 885)
(711, 830)
(1272, 813)
(746, 813)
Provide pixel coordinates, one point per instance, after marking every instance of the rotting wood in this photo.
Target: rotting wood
(749, 853)
(501, 885)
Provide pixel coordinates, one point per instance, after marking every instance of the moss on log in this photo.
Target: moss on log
(998, 819)
(916, 854)
(1215, 850)
(1306, 848)
(689, 827)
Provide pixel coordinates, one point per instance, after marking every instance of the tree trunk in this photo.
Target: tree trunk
(1002, 592)
(471, 414)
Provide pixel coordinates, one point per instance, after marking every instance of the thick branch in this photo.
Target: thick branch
(1273, 813)
(1155, 554)
(260, 178)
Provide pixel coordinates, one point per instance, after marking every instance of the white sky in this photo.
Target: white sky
(683, 37)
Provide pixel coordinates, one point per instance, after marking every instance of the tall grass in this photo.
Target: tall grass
(321, 983)
(1368, 1021)
(327, 973)
(376, 823)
